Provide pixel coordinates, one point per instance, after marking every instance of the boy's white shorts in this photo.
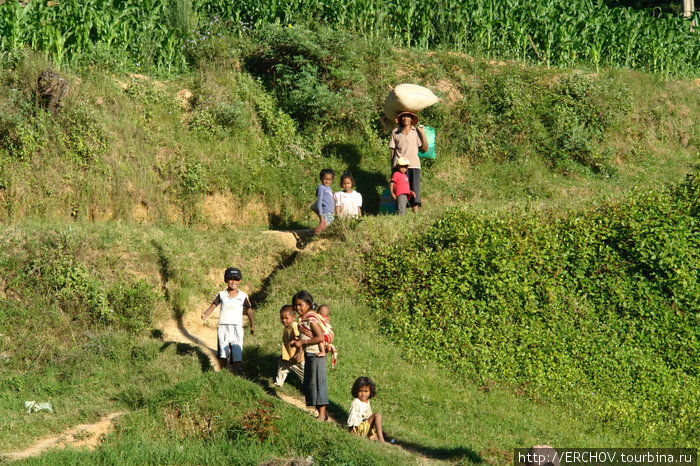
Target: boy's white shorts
(230, 342)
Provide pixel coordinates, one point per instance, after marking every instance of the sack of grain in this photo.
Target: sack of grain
(408, 98)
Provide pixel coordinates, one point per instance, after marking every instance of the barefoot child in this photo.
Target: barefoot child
(328, 335)
(361, 421)
(310, 335)
(288, 360)
(230, 330)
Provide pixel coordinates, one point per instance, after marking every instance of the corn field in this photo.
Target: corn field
(553, 32)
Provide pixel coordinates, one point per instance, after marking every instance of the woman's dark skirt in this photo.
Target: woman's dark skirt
(315, 389)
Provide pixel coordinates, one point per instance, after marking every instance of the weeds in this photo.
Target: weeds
(133, 305)
(259, 424)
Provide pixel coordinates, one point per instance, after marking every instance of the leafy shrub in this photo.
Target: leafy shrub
(83, 134)
(564, 123)
(68, 283)
(598, 308)
(578, 113)
(275, 121)
(215, 119)
(310, 71)
(22, 133)
(193, 177)
(133, 305)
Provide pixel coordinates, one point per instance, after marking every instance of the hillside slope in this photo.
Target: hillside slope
(119, 213)
(240, 140)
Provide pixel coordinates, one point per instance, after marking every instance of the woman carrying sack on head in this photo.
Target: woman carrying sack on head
(405, 141)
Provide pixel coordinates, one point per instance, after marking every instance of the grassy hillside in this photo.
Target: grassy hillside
(120, 212)
(241, 140)
(170, 394)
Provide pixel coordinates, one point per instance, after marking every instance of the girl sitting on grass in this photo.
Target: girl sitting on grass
(361, 421)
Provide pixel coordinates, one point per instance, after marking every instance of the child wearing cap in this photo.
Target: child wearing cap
(232, 302)
(399, 185)
(405, 141)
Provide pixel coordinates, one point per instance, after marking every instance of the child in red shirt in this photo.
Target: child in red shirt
(399, 187)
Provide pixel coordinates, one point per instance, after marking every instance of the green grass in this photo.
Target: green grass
(123, 211)
(233, 155)
(217, 418)
(101, 371)
(428, 409)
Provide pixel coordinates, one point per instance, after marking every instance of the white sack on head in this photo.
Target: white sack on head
(408, 98)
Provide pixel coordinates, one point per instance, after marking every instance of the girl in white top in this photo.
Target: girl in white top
(361, 421)
(348, 202)
(230, 330)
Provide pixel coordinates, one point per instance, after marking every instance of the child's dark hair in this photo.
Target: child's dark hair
(287, 309)
(326, 171)
(363, 382)
(347, 174)
(305, 296)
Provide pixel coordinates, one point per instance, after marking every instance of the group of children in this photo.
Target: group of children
(344, 203)
(307, 338)
(407, 139)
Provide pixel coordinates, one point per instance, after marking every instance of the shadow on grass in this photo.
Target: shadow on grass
(447, 454)
(280, 222)
(366, 182)
(259, 367)
(302, 237)
(183, 349)
(164, 266)
(259, 298)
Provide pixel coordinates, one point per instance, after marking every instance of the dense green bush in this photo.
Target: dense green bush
(564, 122)
(599, 308)
(69, 285)
(82, 134)
(22, 132)
(133, 305)
(312, 72)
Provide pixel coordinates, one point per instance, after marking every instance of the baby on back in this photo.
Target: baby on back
(327, 345)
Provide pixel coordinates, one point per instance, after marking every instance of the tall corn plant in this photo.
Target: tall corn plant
(556, 32)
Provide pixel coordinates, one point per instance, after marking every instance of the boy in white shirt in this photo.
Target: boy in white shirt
(230, 330)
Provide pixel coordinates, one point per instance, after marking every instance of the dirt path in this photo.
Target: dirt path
(82, 436)
(190, 330)
(203, 334)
